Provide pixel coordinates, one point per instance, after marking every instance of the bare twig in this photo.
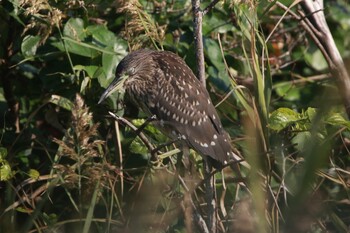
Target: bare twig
(198, 40)
(210, 6)
(210, 183)
(143, 138)
(143, 126)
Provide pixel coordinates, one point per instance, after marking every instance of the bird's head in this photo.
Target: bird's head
(130, 67)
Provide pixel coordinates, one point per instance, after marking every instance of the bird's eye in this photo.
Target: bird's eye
(131, 71)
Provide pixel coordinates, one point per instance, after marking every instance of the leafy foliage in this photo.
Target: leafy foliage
(60, 170)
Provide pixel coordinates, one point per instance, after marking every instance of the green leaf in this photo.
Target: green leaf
(78, 47)
(89, 215)
(316, 60)
(137, 147)
(102, 37)
(84, 84)
(216, 22)
(282, 118)
(6, 172)
(151, 129)
(74, 28)
(61, 101)
(337, 119)
(110, 61)
(3, 153)
(24, 210)
(29, 45)
(213, 53)
(34, 174)
(301, 140)
(75, 39)
(50, 219)
(288, 91)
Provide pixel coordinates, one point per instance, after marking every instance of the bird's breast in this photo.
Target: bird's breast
(143, 92)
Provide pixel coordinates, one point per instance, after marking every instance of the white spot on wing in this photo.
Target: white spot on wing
(215, 136)
(212, 143)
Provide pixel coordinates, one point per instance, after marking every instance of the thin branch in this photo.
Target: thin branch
(312, 19)
(210, 7)
(141, 135)
(198, 40)
(314, 11)
(120, 152)
(210, 183)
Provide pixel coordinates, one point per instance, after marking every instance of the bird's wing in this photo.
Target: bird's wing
(183, 105)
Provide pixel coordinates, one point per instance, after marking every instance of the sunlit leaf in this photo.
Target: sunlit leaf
(337, 119)
(3, 152)
(213, 53)
(6, 172)
(282, 118)
(74, 28)
(316, 60)
(34, 174)
(288, 91)
(61, 101)
(29, 45)
(24, 210)
(137, 147)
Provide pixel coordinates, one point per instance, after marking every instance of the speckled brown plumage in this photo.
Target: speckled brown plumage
(163, 85)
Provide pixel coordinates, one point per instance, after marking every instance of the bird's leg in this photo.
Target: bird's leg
(210, 196)
(143, 126)
(189, 165)
(186, 158)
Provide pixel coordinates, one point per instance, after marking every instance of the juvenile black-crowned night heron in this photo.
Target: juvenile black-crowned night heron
(161, 84)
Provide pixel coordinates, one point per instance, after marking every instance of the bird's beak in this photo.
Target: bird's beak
(117, 84)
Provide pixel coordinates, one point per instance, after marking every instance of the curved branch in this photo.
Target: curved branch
(313, 20)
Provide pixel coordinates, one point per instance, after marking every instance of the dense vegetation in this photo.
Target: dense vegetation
(67, 166)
